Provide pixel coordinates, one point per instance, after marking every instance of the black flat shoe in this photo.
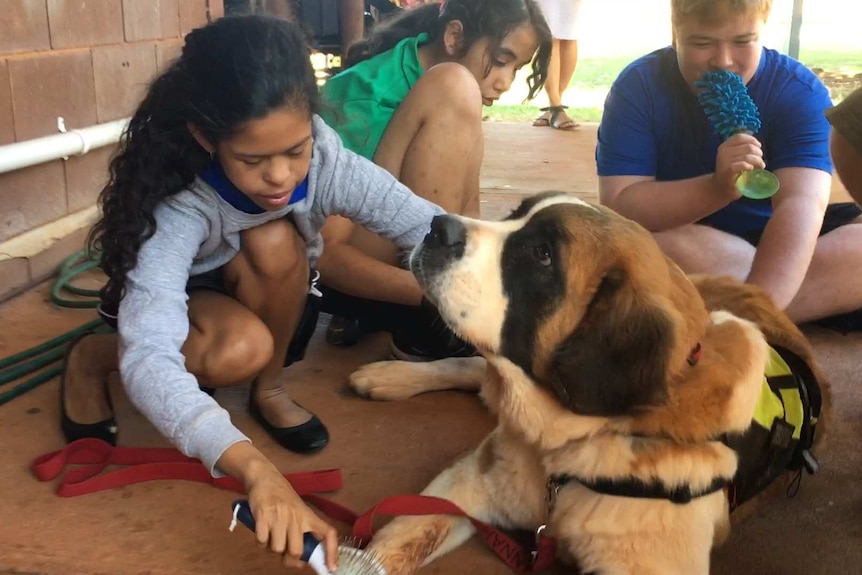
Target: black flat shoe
(106, 430)
(307, 437)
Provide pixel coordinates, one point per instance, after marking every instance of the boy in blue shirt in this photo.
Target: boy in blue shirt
(661, 164)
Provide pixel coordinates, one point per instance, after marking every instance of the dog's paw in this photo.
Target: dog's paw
(386, 380)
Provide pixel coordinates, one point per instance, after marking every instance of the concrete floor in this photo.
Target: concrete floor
(383, 449)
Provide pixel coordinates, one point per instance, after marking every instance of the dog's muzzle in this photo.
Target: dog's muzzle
(444, 244)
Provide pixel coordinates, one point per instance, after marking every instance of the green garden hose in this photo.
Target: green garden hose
(52, 351)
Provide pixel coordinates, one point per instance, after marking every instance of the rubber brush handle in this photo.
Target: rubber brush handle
(312, 550)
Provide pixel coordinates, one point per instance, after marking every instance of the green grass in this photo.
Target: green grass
(839, 69)
(849, 63)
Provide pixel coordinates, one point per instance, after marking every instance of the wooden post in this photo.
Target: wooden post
(795, 29)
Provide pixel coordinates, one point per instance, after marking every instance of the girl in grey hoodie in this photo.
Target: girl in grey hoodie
(209, 237)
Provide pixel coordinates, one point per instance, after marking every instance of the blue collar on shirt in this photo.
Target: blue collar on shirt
(214, 175)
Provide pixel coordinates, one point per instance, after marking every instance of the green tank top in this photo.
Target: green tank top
(359, 102)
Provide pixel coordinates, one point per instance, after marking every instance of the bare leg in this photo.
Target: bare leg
(552, 83)
(351, 16)
(434, 145)
(831, 285)
(227, 345)
(274, 289)
(700, 249)
(568, 57)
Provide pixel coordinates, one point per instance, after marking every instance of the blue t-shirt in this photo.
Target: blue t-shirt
(654, 126)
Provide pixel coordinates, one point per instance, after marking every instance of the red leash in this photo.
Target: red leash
(516, 556)
(93, 456)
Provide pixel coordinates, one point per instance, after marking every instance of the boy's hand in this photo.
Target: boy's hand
(737, 154)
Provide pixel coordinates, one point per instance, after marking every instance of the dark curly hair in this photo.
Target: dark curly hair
(231, 71)
(493, 19)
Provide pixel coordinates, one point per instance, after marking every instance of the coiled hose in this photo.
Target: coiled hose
(51, 354)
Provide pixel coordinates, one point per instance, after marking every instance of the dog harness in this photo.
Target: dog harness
(780, 437)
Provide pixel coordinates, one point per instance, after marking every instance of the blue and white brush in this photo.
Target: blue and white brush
(725, 99)
(351, 561)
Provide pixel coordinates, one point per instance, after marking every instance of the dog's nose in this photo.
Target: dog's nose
(447, 231)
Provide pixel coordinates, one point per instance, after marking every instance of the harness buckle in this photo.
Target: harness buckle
(553, 490)
(538, 536)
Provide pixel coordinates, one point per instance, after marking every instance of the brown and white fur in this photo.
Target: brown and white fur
(585, 329)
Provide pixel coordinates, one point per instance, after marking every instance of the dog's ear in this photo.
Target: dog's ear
(616, 360)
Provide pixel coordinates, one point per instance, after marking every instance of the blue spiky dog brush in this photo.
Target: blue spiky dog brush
(725, 100)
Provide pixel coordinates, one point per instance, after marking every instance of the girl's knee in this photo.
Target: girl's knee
(275, 249)
(450, 87)
(239, 354)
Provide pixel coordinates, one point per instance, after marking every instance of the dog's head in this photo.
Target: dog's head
(580, 298)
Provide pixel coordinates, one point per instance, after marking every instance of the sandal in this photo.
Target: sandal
(544, 119)
(566, 124)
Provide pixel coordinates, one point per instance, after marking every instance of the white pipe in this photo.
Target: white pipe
(72, 143)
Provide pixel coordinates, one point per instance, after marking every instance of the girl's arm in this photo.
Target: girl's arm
(362, 193)
(352, 271)
(153, 326)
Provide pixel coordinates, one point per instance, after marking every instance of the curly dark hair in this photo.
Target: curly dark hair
(493, 19)
(231, 71)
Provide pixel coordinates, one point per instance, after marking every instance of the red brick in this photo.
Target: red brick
(169, 11)
(216, 9)
(85, 177)
(25, 26)
(141, 20)
(46, 263)
(151, 19)
(167, 52)
(74, 23)
(7, 122)
(31, 197)
(121, 76)
(49, 86)
(193, 14)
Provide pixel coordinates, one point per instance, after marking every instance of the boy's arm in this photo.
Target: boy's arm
(664, 205)
(787, 245)
(661, 206)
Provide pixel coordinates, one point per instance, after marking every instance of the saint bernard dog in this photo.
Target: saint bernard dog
(649, 403)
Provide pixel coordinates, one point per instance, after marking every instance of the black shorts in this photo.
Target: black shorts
(372, 315)
(837, 215)
(214, 280)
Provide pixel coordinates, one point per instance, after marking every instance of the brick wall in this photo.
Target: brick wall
(88, 62)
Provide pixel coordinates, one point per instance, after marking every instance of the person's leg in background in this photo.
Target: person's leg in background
(351, 20)
(562, 17)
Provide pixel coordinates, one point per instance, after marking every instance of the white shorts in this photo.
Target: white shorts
(563, 17)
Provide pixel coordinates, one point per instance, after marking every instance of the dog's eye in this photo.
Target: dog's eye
(542, 253)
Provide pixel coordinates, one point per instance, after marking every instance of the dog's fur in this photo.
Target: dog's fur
(585, 329)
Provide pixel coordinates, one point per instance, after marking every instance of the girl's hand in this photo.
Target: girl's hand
(281, 517)
(737, 154)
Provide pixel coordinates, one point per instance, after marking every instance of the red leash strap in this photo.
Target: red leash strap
(515, 555)
(150, 464)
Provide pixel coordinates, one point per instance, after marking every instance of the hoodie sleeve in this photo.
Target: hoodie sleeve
(153, 325)
(351, 186)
